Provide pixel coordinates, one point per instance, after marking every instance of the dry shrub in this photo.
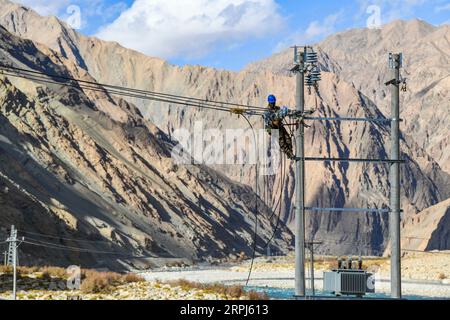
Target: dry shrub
(48, 271)
(104, 282)
(54, 272)
(442, 276)
(235, 292)
(241, 257)
(132, 277)
(215, 288)
(6, 269)
(185, 284)
(253, 295)
(95, 285)
(92, 281)
(27, 270)
(99, 282)
(230, 292)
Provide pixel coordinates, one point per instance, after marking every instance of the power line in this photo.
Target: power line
(68, 247)
(283, 173)
(276, 208)
(63, 238)
(120, 93)
(81, 250)
(128, 89)
(75, 249)
(256, 203)
(118, 90)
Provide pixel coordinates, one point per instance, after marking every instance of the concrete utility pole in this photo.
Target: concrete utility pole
(300, 179)
(395, 63)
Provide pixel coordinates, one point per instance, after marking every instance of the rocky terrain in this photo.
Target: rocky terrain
(344, 91)
(50, 283)
(134, 291)
(429, 229)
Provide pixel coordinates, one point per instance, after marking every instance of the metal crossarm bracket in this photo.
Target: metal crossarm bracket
(390, 82)
(301, 114)
(394, 81)
(296, 68)
(383, 120)
(373, 210)
(351, 160)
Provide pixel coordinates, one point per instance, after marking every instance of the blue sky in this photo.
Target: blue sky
(229, 34)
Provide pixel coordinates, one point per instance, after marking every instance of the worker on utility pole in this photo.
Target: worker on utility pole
(273, 120)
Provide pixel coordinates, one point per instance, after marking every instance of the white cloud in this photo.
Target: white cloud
(315, 31)
(100, 10)
(173, 28)
(322, 28)
(392, 9)
(445, 7)
(45, 7)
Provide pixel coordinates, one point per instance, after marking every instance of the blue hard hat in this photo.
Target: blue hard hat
(271, 99)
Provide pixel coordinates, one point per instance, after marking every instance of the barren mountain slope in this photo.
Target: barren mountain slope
(429, 229)
(360, 56)
(94, 168)
(424, 183)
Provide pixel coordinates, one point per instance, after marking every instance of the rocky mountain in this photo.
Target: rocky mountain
(428, 230)
(424, 182)
(87, 180)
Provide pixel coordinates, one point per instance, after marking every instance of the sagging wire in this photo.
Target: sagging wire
(54, 246)
(63, 238)
(282, 182)
(119, 93)
(256, 202)
(274, 209)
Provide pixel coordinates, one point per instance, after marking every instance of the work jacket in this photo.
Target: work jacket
(274, 117)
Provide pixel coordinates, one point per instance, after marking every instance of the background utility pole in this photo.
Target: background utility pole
(300, 179)
(12, 257)
(310, 246)
(395, 63)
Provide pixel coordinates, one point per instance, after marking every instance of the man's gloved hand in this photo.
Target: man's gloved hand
(284, 111)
